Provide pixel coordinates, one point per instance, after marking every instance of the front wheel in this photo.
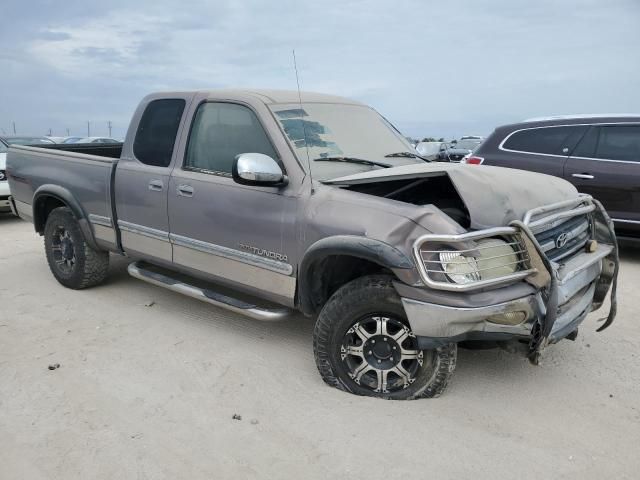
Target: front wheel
(71, 260)
(363, 344)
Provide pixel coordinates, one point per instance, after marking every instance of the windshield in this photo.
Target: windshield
(467, 144)
(340, 130)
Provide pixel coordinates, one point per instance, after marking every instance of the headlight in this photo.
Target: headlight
(493, 259)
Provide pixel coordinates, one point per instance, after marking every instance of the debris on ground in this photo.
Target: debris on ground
(236, 416)
(54, 366)
(150, 303)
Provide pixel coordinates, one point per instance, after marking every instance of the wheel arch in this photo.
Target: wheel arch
(333, 261)
(48, 197)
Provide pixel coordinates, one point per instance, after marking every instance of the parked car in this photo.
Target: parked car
(4, 184)
(27, 140)
(57, 139)
(455, 152)
(72, 139)
(289, 205)
(97, 140)
(430, 150)
(599, 154)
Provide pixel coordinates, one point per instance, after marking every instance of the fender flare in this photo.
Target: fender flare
(364, 248)
(66, 197)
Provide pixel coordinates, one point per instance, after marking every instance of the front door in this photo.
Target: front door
(606, 165)
(142, 181)
(232, 233)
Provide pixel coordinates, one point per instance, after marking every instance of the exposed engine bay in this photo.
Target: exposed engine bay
(435, 190)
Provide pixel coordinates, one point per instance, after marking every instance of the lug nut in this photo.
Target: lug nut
(370, 352)
(373, 341)
(385, 339)
(379, 361)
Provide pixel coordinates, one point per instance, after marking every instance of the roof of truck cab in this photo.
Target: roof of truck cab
(275, 96)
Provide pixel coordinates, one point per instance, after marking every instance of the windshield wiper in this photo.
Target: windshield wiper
(406, 155)
(361, 161)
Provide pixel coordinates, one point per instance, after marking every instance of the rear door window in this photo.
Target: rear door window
(545, 140)
(619, 142)
(157, 130)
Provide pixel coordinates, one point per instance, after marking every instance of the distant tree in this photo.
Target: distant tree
(441, 139)
(428, 139)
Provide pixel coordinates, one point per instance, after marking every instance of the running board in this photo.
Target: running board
(137, 270)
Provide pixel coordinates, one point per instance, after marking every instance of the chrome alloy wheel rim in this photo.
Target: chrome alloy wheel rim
(381, 354)
(63, 249)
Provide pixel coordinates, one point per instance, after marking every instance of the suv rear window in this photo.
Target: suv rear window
(549, 140)
(620, 142)
(157, 131)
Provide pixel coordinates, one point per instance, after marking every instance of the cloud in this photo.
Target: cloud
(432, 68)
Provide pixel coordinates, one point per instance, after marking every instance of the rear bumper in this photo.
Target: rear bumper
(578, 280)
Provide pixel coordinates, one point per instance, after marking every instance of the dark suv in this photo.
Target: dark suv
(600, 155)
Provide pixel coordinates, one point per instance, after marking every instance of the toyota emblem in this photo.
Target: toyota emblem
(562, 240)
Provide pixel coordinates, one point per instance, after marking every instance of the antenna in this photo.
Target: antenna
(304, 128)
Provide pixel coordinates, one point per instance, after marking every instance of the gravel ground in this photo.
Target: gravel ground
(149, 381)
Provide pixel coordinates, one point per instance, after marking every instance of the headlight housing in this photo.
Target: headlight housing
(493, 258)
(472, 260)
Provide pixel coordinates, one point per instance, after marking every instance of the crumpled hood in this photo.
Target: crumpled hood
(494, 196)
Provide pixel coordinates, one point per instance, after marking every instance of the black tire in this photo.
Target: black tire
(374, 297)
(71, 260)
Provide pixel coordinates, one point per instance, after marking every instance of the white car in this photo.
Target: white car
(430, 150)
(97, 140)
(4, 184)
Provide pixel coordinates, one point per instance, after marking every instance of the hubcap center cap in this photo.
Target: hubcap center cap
(381, 352)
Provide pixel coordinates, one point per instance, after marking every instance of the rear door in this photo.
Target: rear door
(142, 179)
(606, 165)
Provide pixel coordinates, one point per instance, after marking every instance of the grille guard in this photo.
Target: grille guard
(533, 219)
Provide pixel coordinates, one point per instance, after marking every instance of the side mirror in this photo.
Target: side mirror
(257, 169)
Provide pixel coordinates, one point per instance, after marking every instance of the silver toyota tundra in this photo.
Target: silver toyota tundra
(267, 202)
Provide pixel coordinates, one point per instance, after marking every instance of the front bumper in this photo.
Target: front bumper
(580, 285)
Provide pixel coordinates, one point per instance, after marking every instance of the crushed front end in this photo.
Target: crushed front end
(530, 283)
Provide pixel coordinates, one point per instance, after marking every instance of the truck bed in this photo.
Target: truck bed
(109, 150)
(81, 180)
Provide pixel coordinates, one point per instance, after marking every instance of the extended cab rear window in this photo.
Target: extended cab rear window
(546, 140)
(157, 130)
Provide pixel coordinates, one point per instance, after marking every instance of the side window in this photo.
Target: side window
(549, 140)
(587, 146)
(221, 131)
(157, 131)
(620, 142)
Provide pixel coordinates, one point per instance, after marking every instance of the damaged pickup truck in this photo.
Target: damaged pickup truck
(265, 203)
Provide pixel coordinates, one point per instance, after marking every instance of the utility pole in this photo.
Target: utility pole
(88, 128)
(68, 135)
(14, 127)
(49, 131)
(109, 125)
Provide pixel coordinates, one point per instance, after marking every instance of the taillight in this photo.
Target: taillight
(474, 160)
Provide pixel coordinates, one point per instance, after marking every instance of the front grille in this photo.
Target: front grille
(565, 237)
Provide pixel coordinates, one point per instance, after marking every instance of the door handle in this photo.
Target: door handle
(185, 190)
(583, 175)
(156, 185)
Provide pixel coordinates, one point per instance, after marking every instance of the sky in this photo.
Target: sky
(433, 68)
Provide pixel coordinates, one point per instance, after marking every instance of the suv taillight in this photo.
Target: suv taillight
(473, 160)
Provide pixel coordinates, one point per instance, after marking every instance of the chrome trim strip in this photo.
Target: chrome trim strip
(137, 270)
(232, 254)
(571, 203)
(100, 220)
(620, 220)
(501, 146)
(144, 231)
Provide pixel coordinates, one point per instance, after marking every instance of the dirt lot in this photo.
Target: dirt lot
(149, 392)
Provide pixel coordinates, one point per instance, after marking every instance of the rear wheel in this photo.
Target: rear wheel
(363, 344)
(71, 260)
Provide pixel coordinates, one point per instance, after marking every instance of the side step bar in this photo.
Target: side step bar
(137, 270)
